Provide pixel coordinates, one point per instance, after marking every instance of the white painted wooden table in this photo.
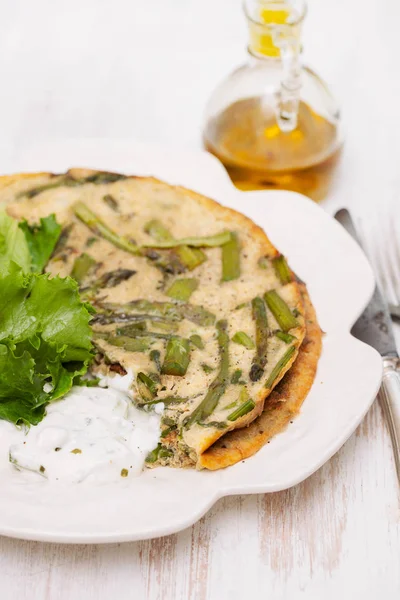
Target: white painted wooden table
(130, 68)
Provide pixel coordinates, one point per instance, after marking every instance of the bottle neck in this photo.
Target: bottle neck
(274, 25)
(274, 32)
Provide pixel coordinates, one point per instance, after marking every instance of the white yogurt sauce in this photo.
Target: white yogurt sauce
(93, 434)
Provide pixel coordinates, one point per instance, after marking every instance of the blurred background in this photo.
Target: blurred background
(145, 70)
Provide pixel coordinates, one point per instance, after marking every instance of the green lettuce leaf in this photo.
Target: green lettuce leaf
(13, 245)
(22, 397)
(45, 341)
(42, 240)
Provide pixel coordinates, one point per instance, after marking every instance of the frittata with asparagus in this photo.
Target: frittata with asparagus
(189, 296)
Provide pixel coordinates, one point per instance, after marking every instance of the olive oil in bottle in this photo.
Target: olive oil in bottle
(273, 123)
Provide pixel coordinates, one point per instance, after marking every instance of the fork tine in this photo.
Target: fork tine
(382, 265)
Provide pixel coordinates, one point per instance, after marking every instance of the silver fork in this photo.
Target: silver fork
(385, 259)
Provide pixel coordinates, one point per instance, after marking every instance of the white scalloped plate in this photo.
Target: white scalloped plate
(163, 501)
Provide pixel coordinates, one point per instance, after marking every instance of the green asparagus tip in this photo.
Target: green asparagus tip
(177, 357)
(259, 313)
(129, 344)
(197, 341)
(182, 289)
(282, 270)
(157, 230)
(190, 257)
(281, 311)
(243, 339)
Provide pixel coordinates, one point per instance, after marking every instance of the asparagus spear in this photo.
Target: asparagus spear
(69, 181)
(147, 388)
(107, 280)
(169, 400)
(218, 386)
(197, 341)
(62, 180)
(285, 337)
(167, 262)
(166, 326)
(133, 332)
(262, 331)
(282, 270)
(279, 366)
(157, 230)
(128, 343)
(177, 356)
(81, 267)
(231, 258)
(243, 339)
(215, 424)
(111, 202)
(245, 408)
(281, 311)
(113, 278)
(182, 289)
(167, 311)
(190, 257)
(100, 228)
(109, 316)
(198, 242)
(244, 403)
(132, 329)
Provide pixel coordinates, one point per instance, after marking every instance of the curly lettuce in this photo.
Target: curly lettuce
(13, 245)
(45, 335)
(41, 240)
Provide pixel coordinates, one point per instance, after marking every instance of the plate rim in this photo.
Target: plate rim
(222, 185)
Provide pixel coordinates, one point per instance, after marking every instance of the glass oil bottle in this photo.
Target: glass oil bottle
(273, 122)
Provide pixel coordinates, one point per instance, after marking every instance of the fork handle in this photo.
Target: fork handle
(389, 396)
